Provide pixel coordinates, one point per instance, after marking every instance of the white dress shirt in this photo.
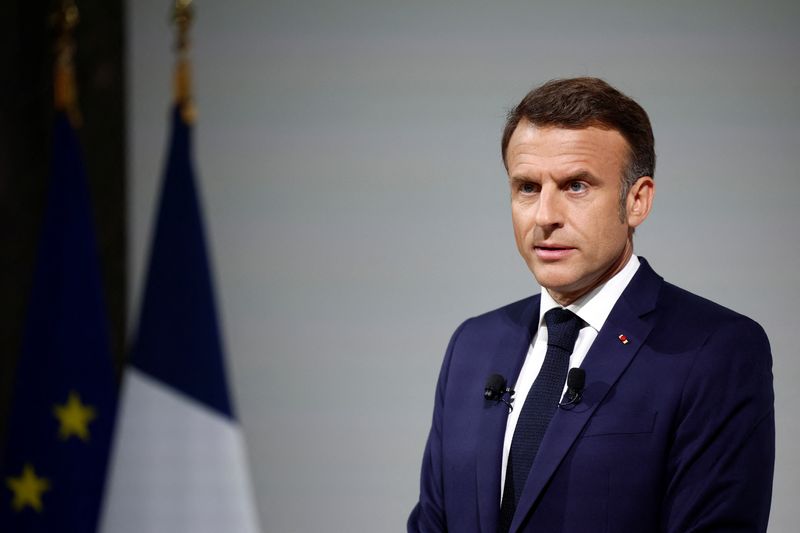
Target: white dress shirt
(593, 308)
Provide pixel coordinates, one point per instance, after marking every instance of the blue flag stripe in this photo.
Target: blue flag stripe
(178, 340)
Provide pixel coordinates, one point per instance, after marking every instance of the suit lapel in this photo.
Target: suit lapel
(507, 361)
(606, 360)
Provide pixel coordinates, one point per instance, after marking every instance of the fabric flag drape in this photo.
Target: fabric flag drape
(63, 407)
(179, 460)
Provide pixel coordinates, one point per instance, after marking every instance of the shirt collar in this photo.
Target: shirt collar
(595, 306)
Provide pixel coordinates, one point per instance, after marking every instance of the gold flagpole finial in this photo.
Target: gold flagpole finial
(182, 15)
(65, 93)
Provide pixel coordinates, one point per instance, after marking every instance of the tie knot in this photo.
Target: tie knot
(562, 328)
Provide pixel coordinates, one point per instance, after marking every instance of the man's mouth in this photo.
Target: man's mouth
(552, 252)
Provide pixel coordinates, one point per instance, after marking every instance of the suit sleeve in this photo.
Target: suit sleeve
(722, 457)
(428, 516)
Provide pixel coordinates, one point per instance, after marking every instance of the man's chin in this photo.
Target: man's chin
(555, 278)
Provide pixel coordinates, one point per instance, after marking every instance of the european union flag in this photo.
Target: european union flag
(64, 402)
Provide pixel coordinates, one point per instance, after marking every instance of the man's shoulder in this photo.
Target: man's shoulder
(676, 309)
(684, 322)
(518, 313)
(681, 305)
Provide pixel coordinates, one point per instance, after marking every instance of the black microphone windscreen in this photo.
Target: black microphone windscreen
(576, 379)
(495, 386)
(496, 382)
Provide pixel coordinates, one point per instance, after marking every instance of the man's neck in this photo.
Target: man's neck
(595, 306)
(566, 298)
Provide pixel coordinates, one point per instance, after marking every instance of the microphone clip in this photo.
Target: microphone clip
(497, 391)
(571, 399)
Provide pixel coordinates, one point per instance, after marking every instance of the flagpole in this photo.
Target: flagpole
(65, 93)
(182, 16)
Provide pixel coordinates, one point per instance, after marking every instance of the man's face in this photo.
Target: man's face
(565, 187)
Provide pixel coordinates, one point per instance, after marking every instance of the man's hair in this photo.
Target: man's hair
(577, 103)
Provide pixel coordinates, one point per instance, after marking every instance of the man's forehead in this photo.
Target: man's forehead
(525, 128)
(595, 145)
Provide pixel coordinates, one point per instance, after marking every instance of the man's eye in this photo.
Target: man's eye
(528, 188)
(577, 186)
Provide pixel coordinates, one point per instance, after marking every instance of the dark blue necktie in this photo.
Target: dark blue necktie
(540, 405)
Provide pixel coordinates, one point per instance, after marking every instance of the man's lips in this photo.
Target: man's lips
(552, 252)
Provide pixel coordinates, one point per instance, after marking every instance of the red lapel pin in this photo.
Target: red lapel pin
(623, 339)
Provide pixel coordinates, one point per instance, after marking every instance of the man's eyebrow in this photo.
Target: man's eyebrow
(519, 179)
(580, 175)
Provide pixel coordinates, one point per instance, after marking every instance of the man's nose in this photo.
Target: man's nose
(549, 208)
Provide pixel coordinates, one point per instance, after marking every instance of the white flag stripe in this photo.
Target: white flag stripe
(177, 466)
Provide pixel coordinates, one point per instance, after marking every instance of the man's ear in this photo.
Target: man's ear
(640, 201)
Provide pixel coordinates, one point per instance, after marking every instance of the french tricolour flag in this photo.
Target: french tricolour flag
(178, 460)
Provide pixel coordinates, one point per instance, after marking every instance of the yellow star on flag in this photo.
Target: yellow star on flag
(27, 489)
(74, 418)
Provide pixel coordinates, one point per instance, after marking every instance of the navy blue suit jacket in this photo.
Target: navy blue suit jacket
(675, 432)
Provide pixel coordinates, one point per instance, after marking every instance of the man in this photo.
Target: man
(673, 429)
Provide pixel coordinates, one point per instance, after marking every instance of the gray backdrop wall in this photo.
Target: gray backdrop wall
(358, 210)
